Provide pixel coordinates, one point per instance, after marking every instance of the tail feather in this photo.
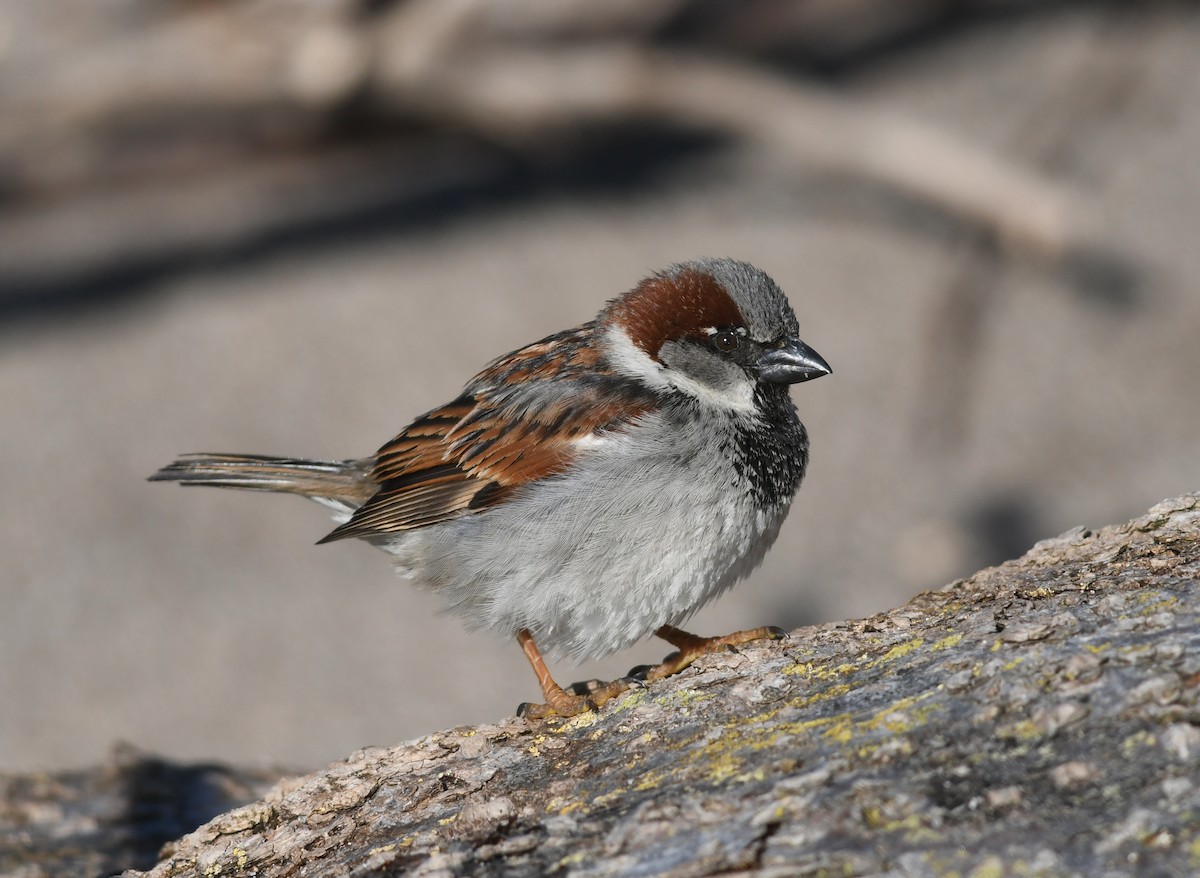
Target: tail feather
(346, 483)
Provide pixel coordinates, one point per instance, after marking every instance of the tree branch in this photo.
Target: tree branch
(1041, 712)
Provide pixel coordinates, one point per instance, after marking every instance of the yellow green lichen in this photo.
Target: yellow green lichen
(872, 816)
(911, 825)
(605, 799)
(819, 672)
(992, 867)
(585, 720)
(650, 780)
(723, 766)
(901, 650)
(563, 809)
(899, 718)
(946, 642)
(1135, 649)
(1023, 730)
(723, 755)
(1155, 601)
(841, 729)
(688, 697)
(1137, 741)
(577, 858)
(816, 671)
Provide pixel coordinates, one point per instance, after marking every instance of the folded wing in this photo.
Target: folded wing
(524, 418)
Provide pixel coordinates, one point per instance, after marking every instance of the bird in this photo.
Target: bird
(592, 488)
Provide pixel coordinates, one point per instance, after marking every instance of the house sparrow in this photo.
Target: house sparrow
(591, 488)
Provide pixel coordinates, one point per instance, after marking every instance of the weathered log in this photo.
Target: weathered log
(1040, 716)
(101, 820)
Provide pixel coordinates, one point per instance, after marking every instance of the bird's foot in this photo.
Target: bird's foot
(692, 647)
(560, 702)
(580, 698)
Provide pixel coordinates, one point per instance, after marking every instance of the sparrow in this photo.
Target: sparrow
(594, 487)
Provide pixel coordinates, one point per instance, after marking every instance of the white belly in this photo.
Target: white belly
(595, 560)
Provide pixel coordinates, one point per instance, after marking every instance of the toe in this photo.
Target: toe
(639, 673)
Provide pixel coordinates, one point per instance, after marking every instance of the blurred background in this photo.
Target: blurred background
(289, 227)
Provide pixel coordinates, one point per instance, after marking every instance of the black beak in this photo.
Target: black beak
(792, 363)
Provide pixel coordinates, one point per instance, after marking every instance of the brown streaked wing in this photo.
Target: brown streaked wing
(422, 444)
(472, 453)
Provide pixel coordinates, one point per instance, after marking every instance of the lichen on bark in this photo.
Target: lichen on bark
(1039, 718)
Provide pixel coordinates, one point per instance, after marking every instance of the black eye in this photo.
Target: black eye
(725, 341)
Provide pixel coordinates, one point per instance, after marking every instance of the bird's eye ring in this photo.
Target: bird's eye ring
(726, 340)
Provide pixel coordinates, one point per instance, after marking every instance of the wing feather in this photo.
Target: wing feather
(522, 419)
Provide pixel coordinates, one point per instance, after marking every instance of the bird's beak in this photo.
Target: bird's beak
(792, 363)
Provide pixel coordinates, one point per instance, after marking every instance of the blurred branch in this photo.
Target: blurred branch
(1098, 81)
(167, 93)
(526, 93)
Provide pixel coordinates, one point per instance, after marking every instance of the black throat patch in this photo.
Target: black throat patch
(773, 453)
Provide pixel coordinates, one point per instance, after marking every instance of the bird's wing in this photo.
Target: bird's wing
(524, 418)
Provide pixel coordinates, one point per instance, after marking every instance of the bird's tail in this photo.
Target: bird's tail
(339, 483)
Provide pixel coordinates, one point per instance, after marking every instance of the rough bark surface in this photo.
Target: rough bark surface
(1039, 718)
(116, 816)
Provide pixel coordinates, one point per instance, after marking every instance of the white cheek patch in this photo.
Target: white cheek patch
(738, 397)
(628, 359)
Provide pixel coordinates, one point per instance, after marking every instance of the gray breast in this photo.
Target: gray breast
(640, 532)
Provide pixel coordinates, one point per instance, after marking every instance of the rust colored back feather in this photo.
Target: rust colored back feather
(520, 420)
